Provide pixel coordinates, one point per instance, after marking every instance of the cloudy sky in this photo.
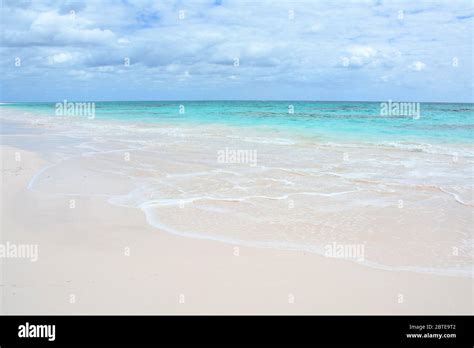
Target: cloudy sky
(236, 49)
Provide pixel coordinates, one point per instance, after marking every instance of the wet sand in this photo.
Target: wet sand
(96, 257)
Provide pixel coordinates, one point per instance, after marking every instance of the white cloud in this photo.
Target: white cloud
(123, 41)
(364, 55)
(53, 29)
(417, 66)
(360, 55)
(60, 58)
(315, 27)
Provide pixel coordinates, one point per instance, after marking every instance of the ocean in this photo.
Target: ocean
(436, 122)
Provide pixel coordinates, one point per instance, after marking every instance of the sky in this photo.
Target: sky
(237, 50)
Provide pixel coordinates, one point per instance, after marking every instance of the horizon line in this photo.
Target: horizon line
(238, 100)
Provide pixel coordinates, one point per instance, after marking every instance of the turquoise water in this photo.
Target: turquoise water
(399, 185)
(358, 121)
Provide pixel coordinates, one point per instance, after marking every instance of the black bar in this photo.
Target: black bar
(224, 330)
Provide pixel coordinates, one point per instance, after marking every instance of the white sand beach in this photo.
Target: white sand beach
(100, 258)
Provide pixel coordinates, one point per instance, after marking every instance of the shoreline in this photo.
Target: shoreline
(90, 263)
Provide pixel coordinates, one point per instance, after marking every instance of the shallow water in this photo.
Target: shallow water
(249, 173)
(436, 122)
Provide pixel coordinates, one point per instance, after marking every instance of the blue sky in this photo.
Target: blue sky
(238, 49)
